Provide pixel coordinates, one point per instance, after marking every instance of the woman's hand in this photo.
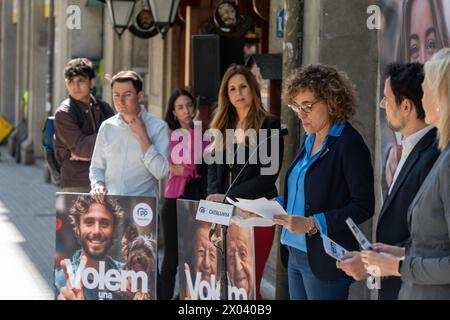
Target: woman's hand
(216, 197)
(385, 248)
(294, 224)
(246, 214)
(380, 264)
(177, 169)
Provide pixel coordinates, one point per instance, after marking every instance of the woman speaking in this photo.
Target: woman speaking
(330, 180)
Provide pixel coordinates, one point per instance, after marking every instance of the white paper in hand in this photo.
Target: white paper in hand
(333, 249)
(262, 207)
(362, 240)
(255, 222)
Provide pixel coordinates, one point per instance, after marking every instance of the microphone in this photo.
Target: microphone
(224, 276)
(191, 120)
(282, 132)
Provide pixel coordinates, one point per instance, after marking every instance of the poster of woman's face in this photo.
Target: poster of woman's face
(411, 31)
(423, 30)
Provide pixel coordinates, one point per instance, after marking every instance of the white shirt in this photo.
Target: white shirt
(118, 161)
(408, 144)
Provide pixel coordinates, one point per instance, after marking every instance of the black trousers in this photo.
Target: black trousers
(170, 236)
(193, 191)
(390, 287)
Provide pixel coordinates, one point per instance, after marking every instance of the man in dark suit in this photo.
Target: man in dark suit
(405, 115)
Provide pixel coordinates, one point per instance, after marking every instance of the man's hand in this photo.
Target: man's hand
(380, 264)
(74, 157)
(137, 127)
(68, 292)
(294, 224)
(177, 169)
(99, 192)
(393, 250)
(353, 266)
(139, 130)
(216, 197)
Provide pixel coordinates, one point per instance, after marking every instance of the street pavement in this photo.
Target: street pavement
(27, 232)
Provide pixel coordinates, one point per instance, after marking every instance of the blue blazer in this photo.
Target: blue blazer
(340, 184)
(392, 227)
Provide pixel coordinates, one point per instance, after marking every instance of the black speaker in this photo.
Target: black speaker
(231, 51)
(206, 66)
(211, 56)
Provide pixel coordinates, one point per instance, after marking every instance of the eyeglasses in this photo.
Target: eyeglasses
(305, 107)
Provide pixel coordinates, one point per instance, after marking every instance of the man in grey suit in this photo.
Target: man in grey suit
(405, 114)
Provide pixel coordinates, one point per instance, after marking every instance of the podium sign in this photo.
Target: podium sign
(199, 260)
(105, 251)
(214, 212)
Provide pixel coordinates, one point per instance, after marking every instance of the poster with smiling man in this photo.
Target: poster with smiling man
(105, 250)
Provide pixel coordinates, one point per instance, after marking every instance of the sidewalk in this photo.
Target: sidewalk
(27, 238)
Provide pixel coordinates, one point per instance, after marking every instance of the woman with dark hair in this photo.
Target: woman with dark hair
(330, 180)
(183, 182)
(240, 111)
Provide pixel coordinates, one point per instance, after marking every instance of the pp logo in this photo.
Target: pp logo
(202, 210)
(142, 214)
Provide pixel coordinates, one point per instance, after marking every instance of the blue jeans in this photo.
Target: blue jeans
(303, 284)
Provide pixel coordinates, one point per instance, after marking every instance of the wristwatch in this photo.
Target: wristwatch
(400, 263)
(313, 227)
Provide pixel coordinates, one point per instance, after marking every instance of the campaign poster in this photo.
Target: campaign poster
(105, 250)
(199, 259)
(411, 31)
